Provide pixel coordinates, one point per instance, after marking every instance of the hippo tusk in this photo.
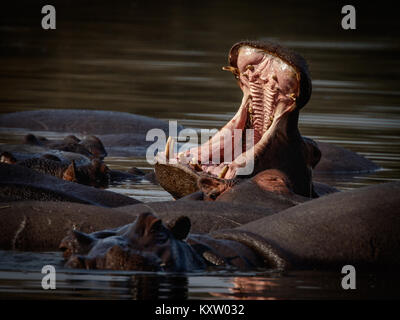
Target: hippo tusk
(223, 172)
(169, 147)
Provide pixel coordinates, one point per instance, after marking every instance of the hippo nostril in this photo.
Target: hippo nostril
(213, 196)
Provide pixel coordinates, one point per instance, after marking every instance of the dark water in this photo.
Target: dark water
(164, 60)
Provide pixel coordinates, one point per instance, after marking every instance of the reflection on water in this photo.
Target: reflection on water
(166, 62)
(21, 276)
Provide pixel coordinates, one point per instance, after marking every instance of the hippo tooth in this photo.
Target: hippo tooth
(292, 96)
(223, 172)
(182, 157)
(169, 147)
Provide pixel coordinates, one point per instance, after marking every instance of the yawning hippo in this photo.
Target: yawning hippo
(276, 84)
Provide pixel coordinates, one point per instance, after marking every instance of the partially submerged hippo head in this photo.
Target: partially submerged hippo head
(276, 84)
(145, 245)
(90, 146)
(95, 174)
(271, 180)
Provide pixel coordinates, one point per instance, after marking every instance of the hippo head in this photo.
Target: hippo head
(276, 85)
(91, 146)
(145, 245)
(95, 174)
(271, 180)
(94, 145)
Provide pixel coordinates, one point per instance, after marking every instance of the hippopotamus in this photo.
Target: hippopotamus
(21, 183)
(90, 146)
(95, 174)
(148, 244)
(276, 85)
(70, 159)
(359, 227)
(121, 133)
(45, 223)
(21, 152)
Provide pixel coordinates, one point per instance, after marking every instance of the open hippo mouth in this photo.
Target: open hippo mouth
(263, 134)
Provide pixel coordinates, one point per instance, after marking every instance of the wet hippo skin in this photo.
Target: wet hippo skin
(269, 188)
(90, 146)
(360, 227)
(40, 225)
(338, 160)
(95, 174)
(19, 183)
(23, 152)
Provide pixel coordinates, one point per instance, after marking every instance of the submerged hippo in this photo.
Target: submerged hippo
(20, 183)
(359, 227)
(276, 85)
(90, 146)
(95, 174)
(121, 133)
(70, 159)
(147, 244)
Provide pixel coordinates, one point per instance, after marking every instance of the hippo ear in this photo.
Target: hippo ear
(71, 139)
(211, 187)
(70, 172)
(7, 157)
(83, 238)
(180, 228)
(31, 139)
